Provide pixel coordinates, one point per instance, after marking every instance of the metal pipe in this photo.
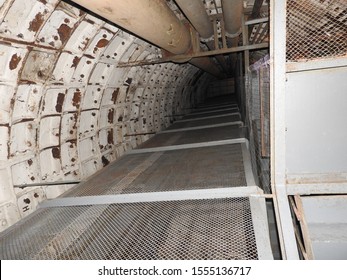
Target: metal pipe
(207, 65)
(232, 12)
(151, 20)
(195, 12)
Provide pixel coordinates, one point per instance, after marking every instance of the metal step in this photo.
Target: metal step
(182, 195)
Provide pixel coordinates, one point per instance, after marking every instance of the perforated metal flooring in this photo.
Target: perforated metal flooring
(186, 203)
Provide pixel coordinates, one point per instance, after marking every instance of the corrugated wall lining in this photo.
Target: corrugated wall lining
(65, 108)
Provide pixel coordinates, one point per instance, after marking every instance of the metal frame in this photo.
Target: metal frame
(260, 226)
(277, 107)
(213, 111)
(240, 123)
(189, 146)
(247, 165)
(209, 117)
(153, 197)
(307, 189)
(316, 64)
(178, 58)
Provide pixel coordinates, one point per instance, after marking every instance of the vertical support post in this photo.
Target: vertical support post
(245, 42)
(278, 126)
(215, 35)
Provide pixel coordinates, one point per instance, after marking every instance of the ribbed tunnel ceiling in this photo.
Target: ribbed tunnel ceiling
(65, 107)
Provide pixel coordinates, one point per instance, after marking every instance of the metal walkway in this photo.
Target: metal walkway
(187, 193)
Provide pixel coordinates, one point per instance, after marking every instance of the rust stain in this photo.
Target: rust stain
(75, 62)
(14, 61)
(115, 95)
(60, 102)
(43, 1)
(102, 43)
(128, 82)
(110, 137)
(105, 161)
(36, 23)
(76, 99)
(30, 162)
(56, 152)
(110, 115)
(64, 32)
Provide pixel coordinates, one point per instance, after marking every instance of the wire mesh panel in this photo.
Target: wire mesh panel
(316, 29)
(258, 118)
(198, 168)
(192, 229)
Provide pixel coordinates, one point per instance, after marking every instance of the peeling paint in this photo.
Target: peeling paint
(110, 137)
(56, 153)
(102, 43)
(14, 61)
(64, 32)
(104, 161)
(75, 62)
(60, 102)
(110, 115)
(115, 95)
(76, 99)
(36, 23)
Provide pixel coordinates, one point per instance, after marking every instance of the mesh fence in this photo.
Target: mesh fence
(192, 229)
(258, 120)
(316, 29)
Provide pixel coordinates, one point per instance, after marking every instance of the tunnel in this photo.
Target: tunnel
(169, 129)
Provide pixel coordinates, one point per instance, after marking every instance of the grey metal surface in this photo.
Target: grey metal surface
(212, 116)
(199, 229)
(317, 134)
(326, 219)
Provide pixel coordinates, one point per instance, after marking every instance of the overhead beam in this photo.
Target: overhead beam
(194, 55)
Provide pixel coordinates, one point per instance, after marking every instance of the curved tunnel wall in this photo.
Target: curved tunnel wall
(66, 108)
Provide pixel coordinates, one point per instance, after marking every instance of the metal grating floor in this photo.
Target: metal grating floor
(212, 121)
(193, 229)
(195, 136)
(209, 114)
(224, 223)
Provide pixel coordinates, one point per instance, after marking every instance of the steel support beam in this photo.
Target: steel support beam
(195, 55)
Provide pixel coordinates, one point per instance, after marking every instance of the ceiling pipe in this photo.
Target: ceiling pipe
(232, 12)
(151, 20)
(207, 65)
(195, 12)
